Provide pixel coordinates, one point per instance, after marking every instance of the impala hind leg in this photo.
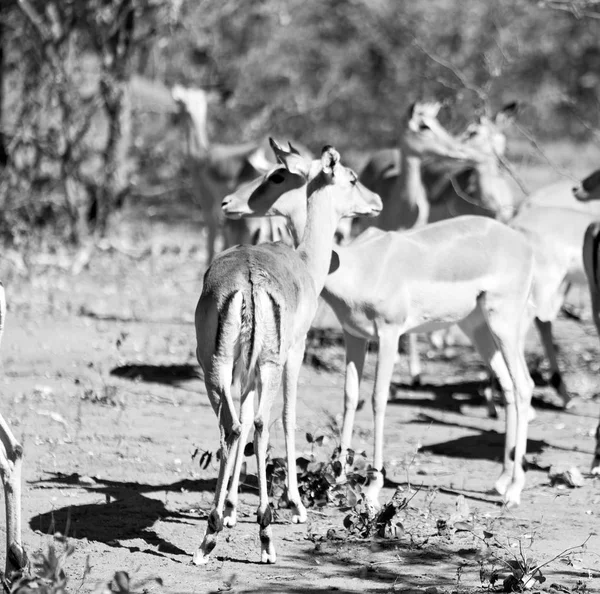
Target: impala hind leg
(551, 296)
(11, 456)
(497, 339)
(290, 391)
(517, 389)
(591, 243)
(414, 359)
(356, 350)
(269, 381)
(476, 328)
(231, 502)
(388, 342)
(596, 462)
(230, 429)
(556, 380)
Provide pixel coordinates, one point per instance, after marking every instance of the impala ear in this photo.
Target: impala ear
(410, 112)
(293, 149)
(177, 92)
(330, 158)
(435, 108)
(591, 182)
(293, 162)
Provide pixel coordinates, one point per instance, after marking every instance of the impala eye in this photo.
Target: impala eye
(277, 178)
(423, 126)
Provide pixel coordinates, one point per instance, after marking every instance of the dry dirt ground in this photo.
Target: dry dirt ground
(100, 383)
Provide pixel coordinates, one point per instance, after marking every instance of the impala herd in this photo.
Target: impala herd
(439, 241)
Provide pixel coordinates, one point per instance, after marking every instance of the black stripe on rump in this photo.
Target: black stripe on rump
(277, 314)
(223, 315)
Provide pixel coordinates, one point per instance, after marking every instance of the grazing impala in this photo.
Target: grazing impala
(11, 455)
(587, 191)
(469, 270)
(256, 307)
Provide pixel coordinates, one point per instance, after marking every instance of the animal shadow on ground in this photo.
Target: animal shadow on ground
(451, 396)
(125, 514)
(354, 560)
(172, 375)
(486, 445)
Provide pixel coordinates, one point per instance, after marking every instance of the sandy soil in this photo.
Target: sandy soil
(101, 384)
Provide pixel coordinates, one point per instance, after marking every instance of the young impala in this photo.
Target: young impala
(11, 455)
(589, 190)
(469, 270)
(256, 307)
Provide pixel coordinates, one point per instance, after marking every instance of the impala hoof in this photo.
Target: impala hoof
(503, 483)
(595, 470)
(267, 557)
(512, 497)
(17, 557)
(200, 558)
(298, 514)
(229, 516)
(374, 488)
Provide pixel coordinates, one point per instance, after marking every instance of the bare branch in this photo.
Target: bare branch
(539, 149)
(577, 9)
(457, 73)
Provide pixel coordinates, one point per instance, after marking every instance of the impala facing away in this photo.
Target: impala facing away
(469, 270)
(589, 190)
(216, 170)
(256, 307)
(11, 456)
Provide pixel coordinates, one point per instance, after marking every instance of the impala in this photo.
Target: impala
(256, 307)
(480, 189)
(11, 456)
(469, 270)
(217, 169)
(589, 190)
(550, 218)
(396, 176)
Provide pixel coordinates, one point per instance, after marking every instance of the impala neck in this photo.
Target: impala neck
(408, 205)
(318, 237)
(297, 220)
(198, 145)
(487, 179)
(413, 190)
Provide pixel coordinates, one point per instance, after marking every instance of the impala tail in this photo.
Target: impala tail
(249, 330)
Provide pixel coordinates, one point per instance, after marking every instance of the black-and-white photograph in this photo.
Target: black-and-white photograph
(300, 296)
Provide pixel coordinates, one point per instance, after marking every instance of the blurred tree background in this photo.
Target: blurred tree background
(87, 121)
